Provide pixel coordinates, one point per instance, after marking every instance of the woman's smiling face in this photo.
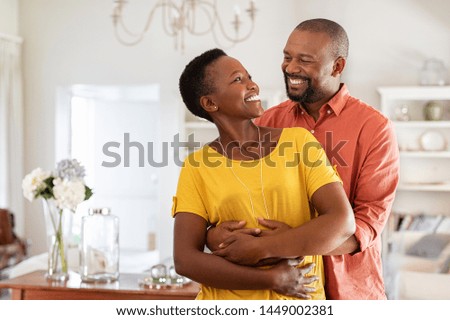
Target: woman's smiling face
(235, 94)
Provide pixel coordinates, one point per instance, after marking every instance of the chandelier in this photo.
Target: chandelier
(197, 17)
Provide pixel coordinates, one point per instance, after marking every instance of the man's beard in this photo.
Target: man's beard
(308, 96)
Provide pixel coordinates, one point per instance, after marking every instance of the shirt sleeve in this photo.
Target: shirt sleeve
(376, 185)
(188, 197)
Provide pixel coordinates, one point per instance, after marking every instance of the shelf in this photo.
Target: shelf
(422, 124)
(444, 187)
(425, 154)
(416, 93)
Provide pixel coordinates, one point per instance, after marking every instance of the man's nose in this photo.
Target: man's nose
(291, 67)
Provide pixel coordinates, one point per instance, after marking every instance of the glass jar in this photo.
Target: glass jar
(433, 73)
(434, 111)
(402, 113)
(99, 246)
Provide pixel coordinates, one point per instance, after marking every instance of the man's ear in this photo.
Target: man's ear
(208, 104)
(338, 66)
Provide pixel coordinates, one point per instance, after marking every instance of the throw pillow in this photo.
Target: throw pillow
(446, 266)
(429, 246)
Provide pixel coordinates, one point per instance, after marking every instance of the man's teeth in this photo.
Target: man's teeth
(296, 81)
(253, 98)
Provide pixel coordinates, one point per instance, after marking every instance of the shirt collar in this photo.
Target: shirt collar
(337, 103)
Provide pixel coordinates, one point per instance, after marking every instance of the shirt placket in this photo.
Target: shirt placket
(313, 126)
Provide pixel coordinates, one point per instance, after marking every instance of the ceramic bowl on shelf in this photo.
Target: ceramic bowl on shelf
(433, 141)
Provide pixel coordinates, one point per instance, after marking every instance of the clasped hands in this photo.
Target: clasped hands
(244, 246)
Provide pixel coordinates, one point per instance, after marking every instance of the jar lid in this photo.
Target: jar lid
(102, 211)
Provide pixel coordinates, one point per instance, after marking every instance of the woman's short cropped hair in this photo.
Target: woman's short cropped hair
(195, 81)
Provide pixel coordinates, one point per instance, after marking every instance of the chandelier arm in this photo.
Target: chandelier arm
(216, 18)
(222, 45)
(234, 39)
(191, 26)
(127, 43)
(138, 36)
(166, 15)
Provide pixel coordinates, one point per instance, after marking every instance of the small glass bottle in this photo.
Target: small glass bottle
(99, 246)
(433, 73)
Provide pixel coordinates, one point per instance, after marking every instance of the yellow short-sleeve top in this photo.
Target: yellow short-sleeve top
(219, 189)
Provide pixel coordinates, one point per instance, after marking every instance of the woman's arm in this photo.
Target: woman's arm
(332, 228)
(211, 270)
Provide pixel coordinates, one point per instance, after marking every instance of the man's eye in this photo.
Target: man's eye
(238, 79)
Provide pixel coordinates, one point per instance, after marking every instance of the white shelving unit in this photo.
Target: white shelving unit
(420, 170)
(424, 188)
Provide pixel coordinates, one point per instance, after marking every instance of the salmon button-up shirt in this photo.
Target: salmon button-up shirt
(361, 143)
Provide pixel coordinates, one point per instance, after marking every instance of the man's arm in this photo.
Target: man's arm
(374, 190)
(321, 235)
(217, 235)
(349, 246)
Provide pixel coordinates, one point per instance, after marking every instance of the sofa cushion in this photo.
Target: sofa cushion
(429, 246)
(446, 266)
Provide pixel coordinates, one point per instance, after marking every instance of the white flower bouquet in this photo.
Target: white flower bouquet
(62, 189)
(65, 185)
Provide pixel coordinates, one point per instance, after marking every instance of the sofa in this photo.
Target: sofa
(418, 266)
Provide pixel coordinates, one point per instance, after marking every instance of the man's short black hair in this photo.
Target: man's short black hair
(334, 30)
(195, 83)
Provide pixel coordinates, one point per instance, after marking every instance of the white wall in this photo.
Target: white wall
(71, 41)
(389, 40)
(9, 13)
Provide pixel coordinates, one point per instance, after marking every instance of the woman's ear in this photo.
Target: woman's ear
(208, 104)
(338, 66)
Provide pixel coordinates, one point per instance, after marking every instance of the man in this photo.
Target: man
(359, 141)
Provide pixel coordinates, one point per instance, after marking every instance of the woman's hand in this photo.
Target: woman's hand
(241, 248)
(293, 281)
(216, 235)
(273, 227)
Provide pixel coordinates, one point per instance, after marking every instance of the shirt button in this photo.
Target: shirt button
(328, 111)
(303, 112)
(312, 131)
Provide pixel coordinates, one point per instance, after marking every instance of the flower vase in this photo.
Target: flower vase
(58, 225)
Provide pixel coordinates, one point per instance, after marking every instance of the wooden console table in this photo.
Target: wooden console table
(34, 286)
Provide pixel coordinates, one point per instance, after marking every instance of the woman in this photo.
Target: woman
(251, 173)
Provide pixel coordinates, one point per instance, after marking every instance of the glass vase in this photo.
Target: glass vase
(58, 225)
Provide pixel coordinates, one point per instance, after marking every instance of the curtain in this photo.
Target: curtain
(11, 128)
